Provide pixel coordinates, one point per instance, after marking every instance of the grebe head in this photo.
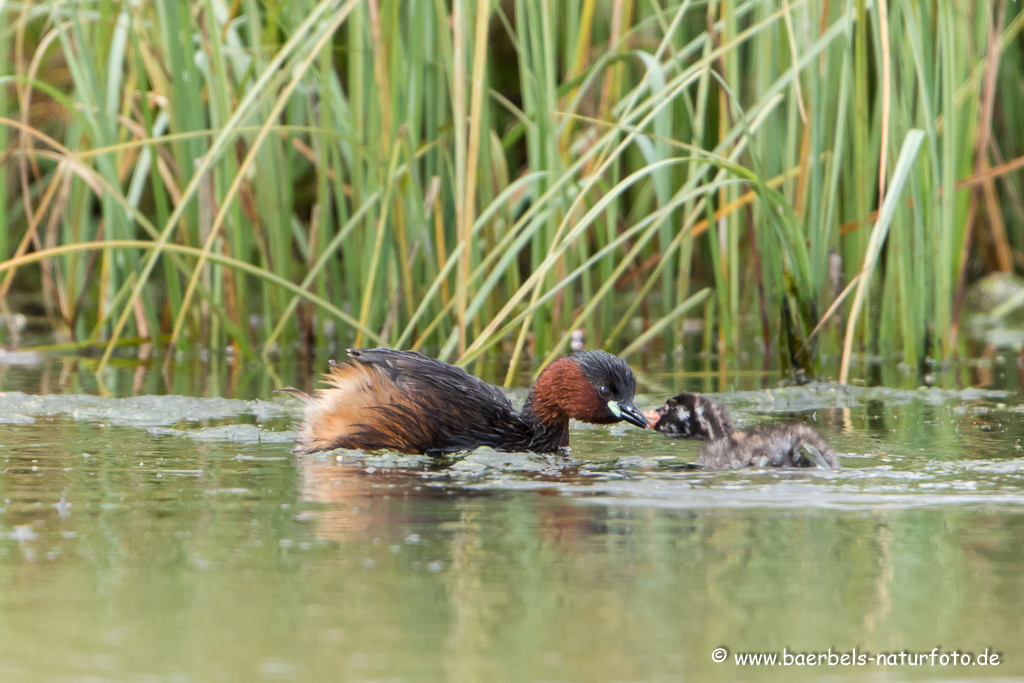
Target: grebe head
(591, 386)
(691, 416)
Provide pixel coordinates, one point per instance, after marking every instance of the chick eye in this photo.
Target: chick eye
(603, 392)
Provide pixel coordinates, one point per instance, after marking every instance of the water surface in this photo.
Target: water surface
(175, 538)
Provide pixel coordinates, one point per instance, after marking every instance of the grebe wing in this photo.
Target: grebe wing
(460, 410)
(415, 372)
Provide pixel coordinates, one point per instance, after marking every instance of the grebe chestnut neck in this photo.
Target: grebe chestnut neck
(692, 416)
(405, 401)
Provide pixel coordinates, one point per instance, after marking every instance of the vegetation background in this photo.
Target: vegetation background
(464, 177)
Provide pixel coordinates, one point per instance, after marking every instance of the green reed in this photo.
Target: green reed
(468, 177)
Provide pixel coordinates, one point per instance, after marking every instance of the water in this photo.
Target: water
(169, 538)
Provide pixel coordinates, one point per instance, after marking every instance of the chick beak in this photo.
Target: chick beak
(625, 410)
(652, 416)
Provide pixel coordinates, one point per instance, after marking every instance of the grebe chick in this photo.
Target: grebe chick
(778, 445)
(692, 416)
(405, 401)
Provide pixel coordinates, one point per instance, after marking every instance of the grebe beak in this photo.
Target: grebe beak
(625, 410)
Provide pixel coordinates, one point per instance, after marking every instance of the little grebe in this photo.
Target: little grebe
(408, 402)
(692, 416)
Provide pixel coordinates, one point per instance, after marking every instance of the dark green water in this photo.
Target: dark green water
(177, 539)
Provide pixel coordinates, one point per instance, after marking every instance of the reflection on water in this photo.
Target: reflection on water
(177, 539)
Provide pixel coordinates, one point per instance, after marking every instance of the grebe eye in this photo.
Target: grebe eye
(603, 392)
